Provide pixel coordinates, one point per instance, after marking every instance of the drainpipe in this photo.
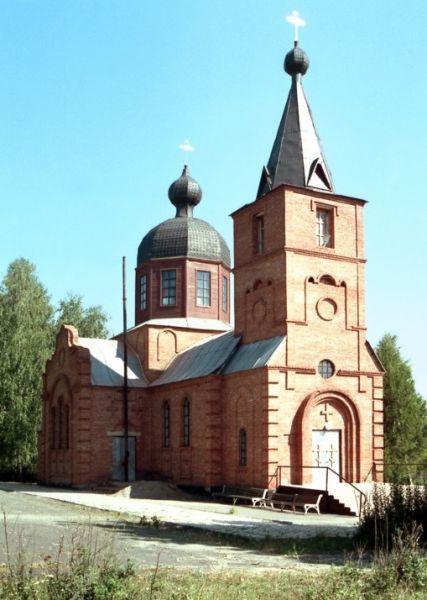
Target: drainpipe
(125, 376)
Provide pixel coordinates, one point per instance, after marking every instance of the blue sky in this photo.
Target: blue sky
(97, 95)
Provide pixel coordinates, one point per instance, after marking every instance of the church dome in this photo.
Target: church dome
(296, 62)
(184, 235)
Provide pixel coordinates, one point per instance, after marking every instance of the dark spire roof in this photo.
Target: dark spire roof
(184, 235)
(296, 157)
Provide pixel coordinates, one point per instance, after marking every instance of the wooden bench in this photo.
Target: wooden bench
(307, 501)
(283, 501)
(256, 495)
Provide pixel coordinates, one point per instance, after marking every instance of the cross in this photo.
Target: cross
(296, 21)
(325, 412)
(186, 147)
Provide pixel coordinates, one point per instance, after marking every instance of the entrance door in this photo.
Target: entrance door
(119, 458)
(325, 453)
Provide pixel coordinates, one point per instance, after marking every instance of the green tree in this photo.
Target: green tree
(26, 341)
(405, 415)
(90, 322)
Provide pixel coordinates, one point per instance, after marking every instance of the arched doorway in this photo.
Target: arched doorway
(328, 423)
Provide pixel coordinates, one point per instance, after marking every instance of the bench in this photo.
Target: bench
(283, 501)
(256, 495)
(307, 501)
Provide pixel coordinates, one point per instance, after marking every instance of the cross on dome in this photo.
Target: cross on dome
(296, 21)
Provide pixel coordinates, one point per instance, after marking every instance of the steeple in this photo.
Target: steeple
(296, 157)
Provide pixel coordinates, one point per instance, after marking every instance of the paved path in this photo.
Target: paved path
(240, 520)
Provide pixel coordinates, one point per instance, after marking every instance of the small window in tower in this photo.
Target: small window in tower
(259, 234)
(143, 289)
(324, 228)
(203, 288)
(243, 448)
(168, 288)
(326, 369)
(224, 293)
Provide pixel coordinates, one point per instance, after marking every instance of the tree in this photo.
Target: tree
(405, 415)
(90, 322)
(26, 341)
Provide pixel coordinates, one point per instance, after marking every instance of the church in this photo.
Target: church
(290, 394)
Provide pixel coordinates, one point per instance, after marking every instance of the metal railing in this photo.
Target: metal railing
(330, 475)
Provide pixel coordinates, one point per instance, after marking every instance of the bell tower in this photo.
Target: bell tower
(300, 272)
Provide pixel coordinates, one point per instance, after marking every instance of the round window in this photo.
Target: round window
(326, 369)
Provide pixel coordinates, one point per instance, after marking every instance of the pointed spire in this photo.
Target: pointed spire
(296, 157)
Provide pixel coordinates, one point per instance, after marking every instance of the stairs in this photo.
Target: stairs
(337, 501)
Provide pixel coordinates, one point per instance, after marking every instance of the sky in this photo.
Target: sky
(97, 95)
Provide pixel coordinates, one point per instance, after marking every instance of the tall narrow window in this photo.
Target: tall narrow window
(243, 457)
(259, 234)
(66, 435)
(143, 289)
(224, 293)
(323, 228)
(166, 425)
(203, 288)
(53, 427)
(186, 423)
(60, 422)
(168, 288)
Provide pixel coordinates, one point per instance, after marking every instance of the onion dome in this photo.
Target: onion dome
(184, 193)
(296, 61)
(184, 235)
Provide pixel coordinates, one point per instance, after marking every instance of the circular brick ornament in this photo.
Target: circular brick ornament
(326, 308)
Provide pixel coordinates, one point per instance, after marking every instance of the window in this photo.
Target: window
(326, 369)
(224, 293)
(53, 427)
(166, 425)
(242, 448)
(324, 227)
(203, 288)
(259, 234)
(60, 425)
(168, 288)
(186, 423)
(143, 290)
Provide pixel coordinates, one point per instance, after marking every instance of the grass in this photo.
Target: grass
(90, 570)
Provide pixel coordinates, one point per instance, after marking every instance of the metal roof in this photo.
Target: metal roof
(107, 363)
(204, 358)
(253, 355)
(219, 354)
(184, 236)
(297, 157)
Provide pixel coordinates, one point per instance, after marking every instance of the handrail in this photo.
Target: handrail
(277, 475)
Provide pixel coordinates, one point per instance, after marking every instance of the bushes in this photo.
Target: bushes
(392, 510)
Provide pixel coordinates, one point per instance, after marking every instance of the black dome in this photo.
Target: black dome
(185, 190)
(184, 236)
(296, 61)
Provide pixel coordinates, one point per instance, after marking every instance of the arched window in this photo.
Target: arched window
(243, 448)
(186, 423)
(166, 425)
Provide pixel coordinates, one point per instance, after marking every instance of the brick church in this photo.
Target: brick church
(294, 388)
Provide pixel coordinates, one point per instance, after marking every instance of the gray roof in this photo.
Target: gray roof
(107, 363)
(202, 359)
(184, 236)
(220, 354)
(297, 157)
(252, 356)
